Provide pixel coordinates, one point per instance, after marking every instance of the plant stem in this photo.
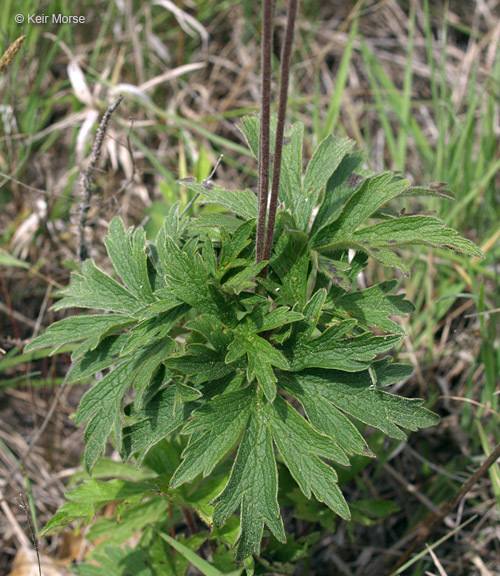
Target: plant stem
(265, 121)
(283, 94)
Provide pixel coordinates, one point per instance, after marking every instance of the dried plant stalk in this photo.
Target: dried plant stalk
(87, 181)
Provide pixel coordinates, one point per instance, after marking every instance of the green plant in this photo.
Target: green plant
(242, 334)
(221, 355)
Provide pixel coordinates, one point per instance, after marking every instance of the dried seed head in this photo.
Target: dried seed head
(11, 51)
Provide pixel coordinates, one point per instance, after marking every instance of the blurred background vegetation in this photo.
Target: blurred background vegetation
(415, 83)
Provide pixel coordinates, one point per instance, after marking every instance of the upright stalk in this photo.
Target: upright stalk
(265, 121)
(283, 94)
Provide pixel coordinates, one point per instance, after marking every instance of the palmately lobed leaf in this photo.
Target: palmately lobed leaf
(373, 193)
(92, 328)
(200, 363)
(158, 418)
(358, 397)
(127, 253)
(187, 278)
(423, 230)
(323, 163)
(240, 202)
(373, 306)
(96, 290)
(303, 448)
(253, 486)
(262, 356)
(332, 350)
(215, 427)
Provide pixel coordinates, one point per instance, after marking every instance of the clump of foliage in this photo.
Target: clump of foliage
(268, 367)
(241, 333)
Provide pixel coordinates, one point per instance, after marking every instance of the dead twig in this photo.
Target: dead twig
(435, 519)
(22, 504)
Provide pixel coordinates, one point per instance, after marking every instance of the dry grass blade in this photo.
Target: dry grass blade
(185, 20)
(436, 561)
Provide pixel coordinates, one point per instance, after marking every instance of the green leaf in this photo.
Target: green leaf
(262, 321)
(324, 416)
(215, 427)
(167, 301)
(132, 519)
(213, 330)
(253, 486)
(240, 202)
(91, 361)
(245, 279)
(373, 193)
(323, 163)
(303, 448)
(373, 306)
(188, 278)
(384, 257)
(201, 363)
(302, 331)
(99, 493)
(185, 393)
(233, 245)
(91, 328)
(158, 418)
(335, 270)
(386, 372)
(340, 187)
(102, 403)
(439, 191)
(415, 230)
(174, 226)
(116, 561)
(291, 264)
(67, 514)
(290, 192)
(214, 221)
(250, 128)
(129, 259)
(330, 350)
(354, 394)
(95, 289)
(157, 326)
(261, 357)
(202, 565)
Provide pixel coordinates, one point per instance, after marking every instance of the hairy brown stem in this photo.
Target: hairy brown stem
(265, 121)
(286, 54)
